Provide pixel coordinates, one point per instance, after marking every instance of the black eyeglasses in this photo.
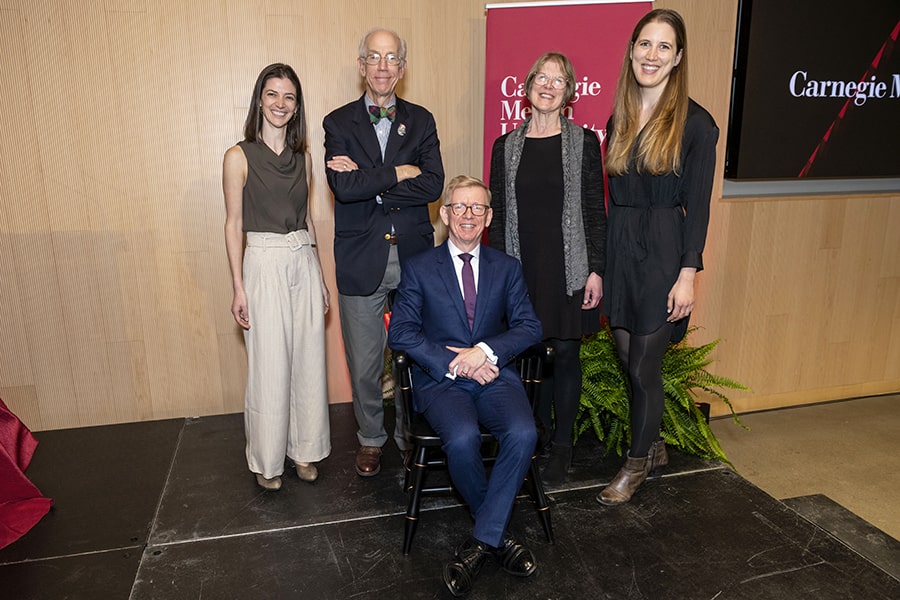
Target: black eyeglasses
(373, 58)
(459, 209)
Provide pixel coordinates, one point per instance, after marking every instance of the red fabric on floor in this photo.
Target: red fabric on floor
(21, 503)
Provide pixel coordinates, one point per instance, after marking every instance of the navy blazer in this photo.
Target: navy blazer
(429, 314)
(360, 223)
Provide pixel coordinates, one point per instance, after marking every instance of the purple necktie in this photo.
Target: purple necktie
(468, 277)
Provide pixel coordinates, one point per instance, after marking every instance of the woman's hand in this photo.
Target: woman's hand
(593, 292)
(239, 309)
(680, 301)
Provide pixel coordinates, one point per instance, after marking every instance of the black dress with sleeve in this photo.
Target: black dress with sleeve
(539, 197)
(657, 225)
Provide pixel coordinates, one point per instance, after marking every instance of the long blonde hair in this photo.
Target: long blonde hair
(659, 150)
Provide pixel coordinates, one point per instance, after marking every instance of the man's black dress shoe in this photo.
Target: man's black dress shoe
(460, 574)
(514, 557)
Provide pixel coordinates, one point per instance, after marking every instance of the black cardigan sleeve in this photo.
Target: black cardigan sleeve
(497, 228)
(593, 209)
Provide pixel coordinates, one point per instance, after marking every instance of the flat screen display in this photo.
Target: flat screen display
(816, 90)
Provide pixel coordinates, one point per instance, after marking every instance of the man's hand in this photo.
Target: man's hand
(341, 163)
(407, 172)
(485, 374)
(467, 361)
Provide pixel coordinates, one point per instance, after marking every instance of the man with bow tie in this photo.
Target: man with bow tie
(383, 164)
(462, 313)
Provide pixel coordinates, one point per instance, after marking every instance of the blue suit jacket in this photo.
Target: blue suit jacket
(360, 223)
(428, 314)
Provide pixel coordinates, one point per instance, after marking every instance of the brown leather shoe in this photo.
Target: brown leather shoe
(626, 482)
(368, 461)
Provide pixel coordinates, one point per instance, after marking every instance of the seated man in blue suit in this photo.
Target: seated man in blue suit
(462, 313)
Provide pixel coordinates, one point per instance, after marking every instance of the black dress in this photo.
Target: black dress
(539, 196)
(657, 225)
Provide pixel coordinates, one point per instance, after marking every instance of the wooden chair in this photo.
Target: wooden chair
(427, 454)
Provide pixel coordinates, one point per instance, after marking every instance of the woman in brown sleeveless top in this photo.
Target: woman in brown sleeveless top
(280, 297)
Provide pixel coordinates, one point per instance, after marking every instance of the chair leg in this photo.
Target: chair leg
(540, 500)
(417, 474)
(407, 473)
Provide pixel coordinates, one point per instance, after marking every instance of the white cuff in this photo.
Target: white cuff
(452, 375)
(491, 357)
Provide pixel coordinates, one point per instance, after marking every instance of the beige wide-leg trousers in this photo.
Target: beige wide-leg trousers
(286, 402)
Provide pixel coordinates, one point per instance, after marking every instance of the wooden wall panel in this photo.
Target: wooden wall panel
(15, 369)
(113, 276)
(16, 374)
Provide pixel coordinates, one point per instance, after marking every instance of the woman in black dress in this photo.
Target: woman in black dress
(660, 162)
(547, 199)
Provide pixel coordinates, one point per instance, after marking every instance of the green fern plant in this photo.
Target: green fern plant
(605, 406)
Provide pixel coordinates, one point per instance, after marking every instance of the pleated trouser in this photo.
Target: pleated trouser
(286, 401)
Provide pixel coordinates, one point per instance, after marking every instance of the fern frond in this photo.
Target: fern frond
(605, 407)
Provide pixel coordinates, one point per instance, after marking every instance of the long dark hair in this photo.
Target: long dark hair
(660, 148)
(296, 128)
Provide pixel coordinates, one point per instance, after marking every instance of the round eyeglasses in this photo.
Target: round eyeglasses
(373, 58)
(459, 209)
(556, 83)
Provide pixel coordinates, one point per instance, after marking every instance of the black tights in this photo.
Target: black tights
(561, 392)
(641, 356)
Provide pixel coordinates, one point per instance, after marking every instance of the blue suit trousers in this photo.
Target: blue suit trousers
(503, 408)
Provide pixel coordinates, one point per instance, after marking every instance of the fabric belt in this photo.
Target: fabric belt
(293, 240)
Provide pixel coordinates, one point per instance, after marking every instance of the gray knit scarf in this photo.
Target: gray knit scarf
(574, 245)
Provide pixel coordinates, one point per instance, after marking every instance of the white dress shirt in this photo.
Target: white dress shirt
(475, 261)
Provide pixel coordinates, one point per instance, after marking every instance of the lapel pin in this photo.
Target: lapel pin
(401, 131)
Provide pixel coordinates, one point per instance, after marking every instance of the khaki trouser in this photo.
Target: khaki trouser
(286, 402)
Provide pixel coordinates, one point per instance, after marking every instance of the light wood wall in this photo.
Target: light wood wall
(113, 279)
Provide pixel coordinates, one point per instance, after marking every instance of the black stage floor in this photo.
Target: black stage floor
(167, 510)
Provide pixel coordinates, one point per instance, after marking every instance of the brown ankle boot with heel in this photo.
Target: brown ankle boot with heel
(626, 482)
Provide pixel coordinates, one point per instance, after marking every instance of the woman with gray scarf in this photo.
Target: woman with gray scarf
(547, 199)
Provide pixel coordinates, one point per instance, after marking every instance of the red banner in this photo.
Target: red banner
(593, 35)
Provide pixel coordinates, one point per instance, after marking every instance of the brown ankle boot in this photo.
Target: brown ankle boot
(626, 482)
(658, 456)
